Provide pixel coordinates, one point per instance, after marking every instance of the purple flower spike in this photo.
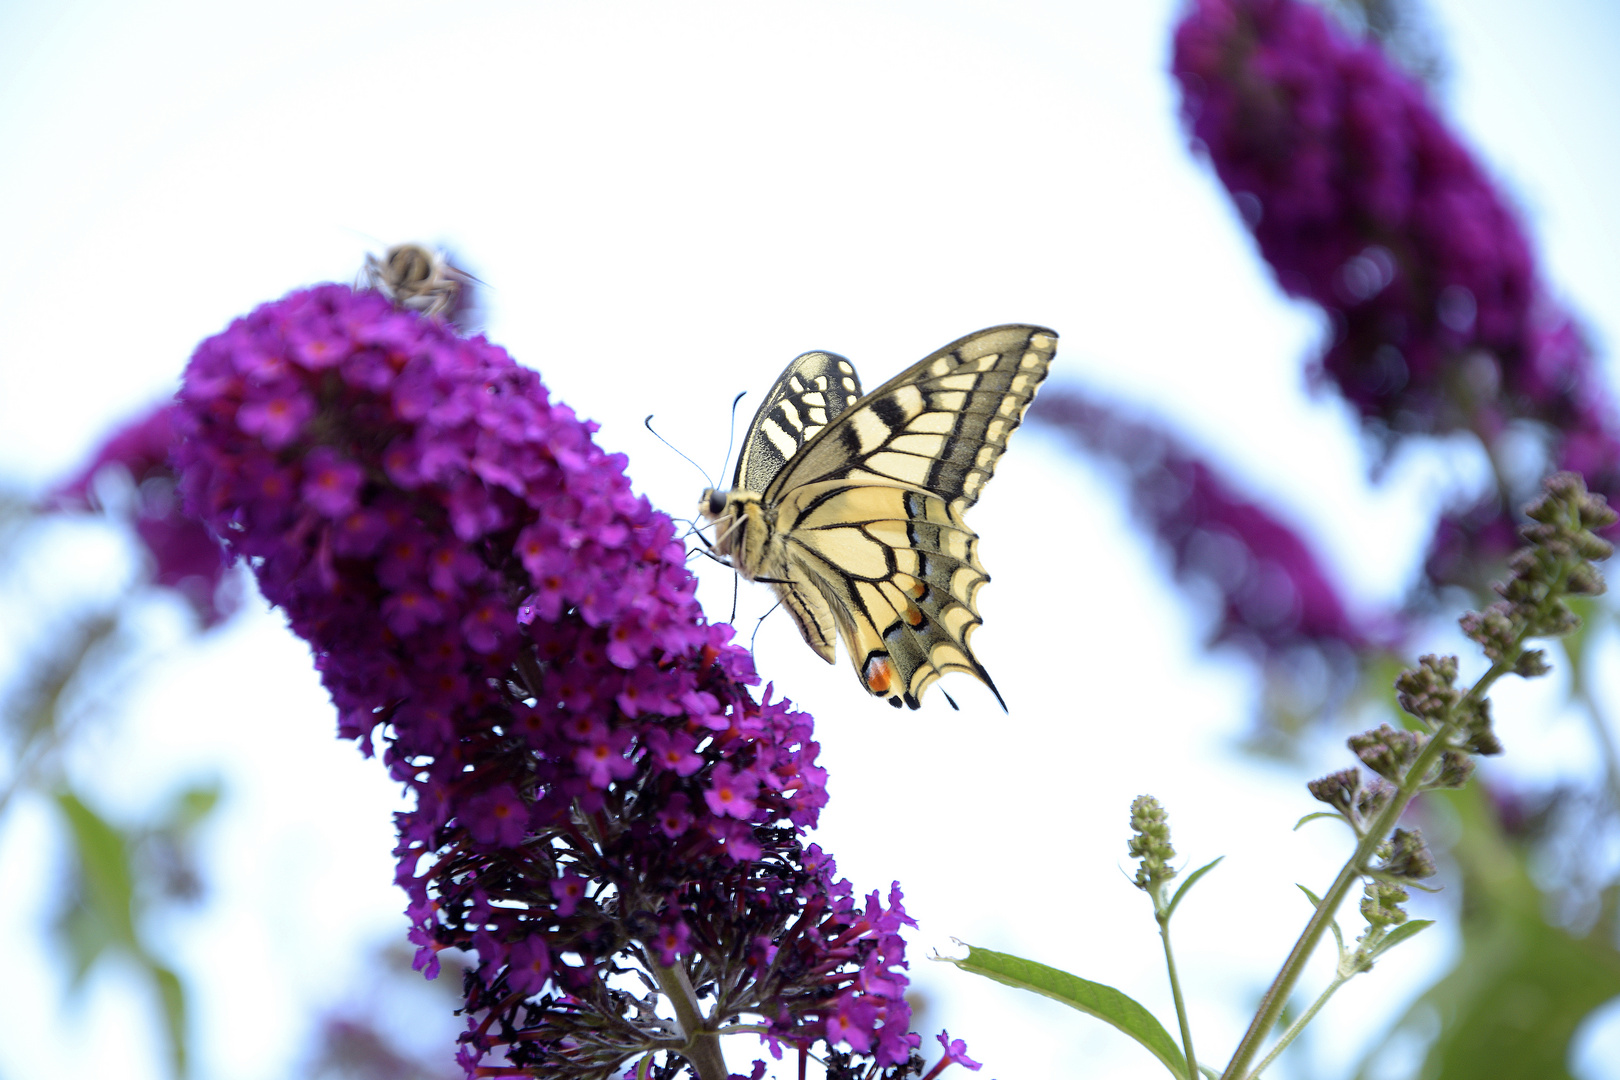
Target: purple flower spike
(1275, 596)
(1364, 202)
(598, 797)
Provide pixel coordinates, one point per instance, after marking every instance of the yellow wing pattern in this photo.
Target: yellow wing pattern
(861, 531)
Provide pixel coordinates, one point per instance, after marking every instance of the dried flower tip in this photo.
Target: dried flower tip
(1475, 722)
(1151, 844)
(1374, 797)
(1585, 580)
(1339, 790)
(1492, 629)
(1405, 855)
(1596, 513)
(1386, 751)
(1532, 663)
(1595, 548)
(1428, 691)
(1455, 769)
(1381, 904)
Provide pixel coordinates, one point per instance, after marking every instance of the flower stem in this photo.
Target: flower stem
(1175, 991)
(1277, 995)
(702, 1046)
(1299, 1025)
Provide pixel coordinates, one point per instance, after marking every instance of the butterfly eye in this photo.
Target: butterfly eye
(717, 501)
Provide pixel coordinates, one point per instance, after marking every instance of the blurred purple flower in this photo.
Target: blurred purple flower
(185, 555)
(1274, 594)
(1363, 201)
(603, 810)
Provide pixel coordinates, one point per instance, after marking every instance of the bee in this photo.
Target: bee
(419, 280)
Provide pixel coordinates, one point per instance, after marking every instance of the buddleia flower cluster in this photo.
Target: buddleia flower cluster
(1365, 202)
(604, 813)
(1449, 725)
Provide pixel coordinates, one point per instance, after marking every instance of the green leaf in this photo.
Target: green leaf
(1400, 934)
(103, 854)
(1336, 816)
(173, 998)
(1333, 925)
(193, 805)
(1095, 999)
(1192, 878)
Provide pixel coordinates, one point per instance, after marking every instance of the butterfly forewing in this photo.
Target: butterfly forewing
(810, 394)
(940, 425)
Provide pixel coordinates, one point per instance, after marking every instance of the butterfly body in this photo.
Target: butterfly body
(852, 507)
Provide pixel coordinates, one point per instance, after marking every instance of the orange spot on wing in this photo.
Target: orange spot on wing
(879, 675)
(913, 616)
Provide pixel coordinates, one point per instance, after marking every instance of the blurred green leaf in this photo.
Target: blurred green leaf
(105, 916)
(193, 806)
(102, 851)
(173, 998)
(1095, 999)
(1521, 986)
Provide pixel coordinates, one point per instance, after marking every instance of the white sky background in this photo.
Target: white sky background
(668, 203)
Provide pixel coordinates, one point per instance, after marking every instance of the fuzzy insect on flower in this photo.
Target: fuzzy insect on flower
(604, 813)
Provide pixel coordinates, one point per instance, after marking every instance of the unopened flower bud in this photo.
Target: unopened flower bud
(1381, 904)
(1405, 855)
(1386, 751)
(1151, 844)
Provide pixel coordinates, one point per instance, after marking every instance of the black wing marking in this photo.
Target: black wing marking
(939, 426)
(811, 393)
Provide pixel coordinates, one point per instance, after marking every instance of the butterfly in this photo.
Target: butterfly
(851, 507)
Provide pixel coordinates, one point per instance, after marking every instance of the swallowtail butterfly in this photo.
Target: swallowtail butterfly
(851, 507)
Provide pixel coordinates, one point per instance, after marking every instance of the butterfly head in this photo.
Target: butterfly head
(741, 531)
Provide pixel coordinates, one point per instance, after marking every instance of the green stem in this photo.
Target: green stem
(1181, 1005)
(1299, 1025)
(702, 1047)
(1277, 995)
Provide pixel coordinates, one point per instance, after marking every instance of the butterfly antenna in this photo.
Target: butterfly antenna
(731, 439)
(672, 446)
(733, 619)
(761, 623)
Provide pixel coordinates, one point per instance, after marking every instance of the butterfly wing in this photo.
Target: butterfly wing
(811, 392)
(871, 508)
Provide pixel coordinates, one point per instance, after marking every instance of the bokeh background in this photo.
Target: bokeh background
(666, 203)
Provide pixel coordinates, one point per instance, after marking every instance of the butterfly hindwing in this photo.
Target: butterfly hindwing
(810, 394)
(899, 570)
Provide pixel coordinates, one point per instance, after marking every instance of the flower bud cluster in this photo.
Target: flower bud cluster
(1557, 562)
(1151, 843)
(1381, 904)
(602, 808)
(1405, 855)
